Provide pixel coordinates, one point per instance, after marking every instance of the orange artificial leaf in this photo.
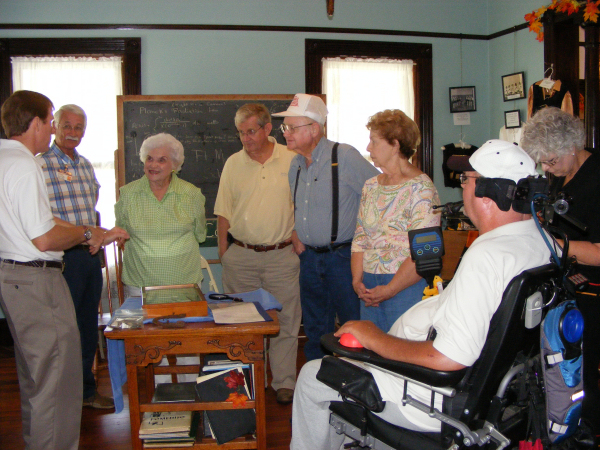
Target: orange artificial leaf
(591, 12)
(530, 17)
(234, 379)
(536, 26)
(554, 4)
(540, 12)
(572, 8)
(540, 36)
(237, 399)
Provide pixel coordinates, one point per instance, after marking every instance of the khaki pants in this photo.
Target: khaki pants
(41, 318)
(277, 272)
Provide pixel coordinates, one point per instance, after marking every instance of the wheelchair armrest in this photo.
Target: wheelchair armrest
(418, 373)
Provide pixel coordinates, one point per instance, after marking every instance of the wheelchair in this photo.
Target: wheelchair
(485, 404)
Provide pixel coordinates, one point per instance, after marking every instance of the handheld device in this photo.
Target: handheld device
(426, 250)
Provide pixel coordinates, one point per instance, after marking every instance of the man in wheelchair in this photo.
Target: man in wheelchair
(445, 332)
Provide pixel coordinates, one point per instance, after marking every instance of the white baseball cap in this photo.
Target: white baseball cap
(496, 159)
(305, 105)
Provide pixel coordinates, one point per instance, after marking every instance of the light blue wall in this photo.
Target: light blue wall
(243, 62)
(516, 52)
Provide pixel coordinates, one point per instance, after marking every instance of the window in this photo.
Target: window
(357, 88)
(93, 84)
(420, 54)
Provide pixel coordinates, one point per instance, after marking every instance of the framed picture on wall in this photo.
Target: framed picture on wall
(512, 119)
(462, 99)
(513, 86)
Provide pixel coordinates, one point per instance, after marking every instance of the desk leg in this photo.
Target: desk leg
(134, 406)
(261, 413)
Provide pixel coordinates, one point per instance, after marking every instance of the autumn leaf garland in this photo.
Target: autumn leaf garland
(590, 13)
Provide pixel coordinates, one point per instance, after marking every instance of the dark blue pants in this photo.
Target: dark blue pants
(325, 290)
(84, 277)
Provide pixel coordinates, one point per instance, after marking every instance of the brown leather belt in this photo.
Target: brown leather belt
(263, 248)
(36, 263)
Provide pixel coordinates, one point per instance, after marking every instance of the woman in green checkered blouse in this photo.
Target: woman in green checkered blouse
(164, 216)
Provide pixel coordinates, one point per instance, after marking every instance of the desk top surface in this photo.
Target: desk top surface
(200, 329)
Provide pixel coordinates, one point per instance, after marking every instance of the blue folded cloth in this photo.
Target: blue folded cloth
(116, 347)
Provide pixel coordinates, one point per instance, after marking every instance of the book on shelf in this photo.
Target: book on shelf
(216, 359)
(175, 392)
(226, 424)
(247, 369)
(168, 439)
(166, 422)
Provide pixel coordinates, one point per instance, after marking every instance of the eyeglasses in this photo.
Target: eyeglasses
(68, 127)
(551, 162)
(249, 132)
(285, 128)
(464, 178)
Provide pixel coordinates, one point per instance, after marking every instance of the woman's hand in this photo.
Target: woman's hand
(359, 288)
(378, 294)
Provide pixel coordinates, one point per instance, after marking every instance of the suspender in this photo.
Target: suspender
(335, 191)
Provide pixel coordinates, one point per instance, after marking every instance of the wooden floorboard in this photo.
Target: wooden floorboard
(106, 430)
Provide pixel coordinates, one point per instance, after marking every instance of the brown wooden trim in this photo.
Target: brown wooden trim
(270, 28)
(129, 48)
(421, 54)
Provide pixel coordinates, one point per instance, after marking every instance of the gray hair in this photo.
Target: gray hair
(164, 140)
(552, 131)
(72, 109)
(248, 110)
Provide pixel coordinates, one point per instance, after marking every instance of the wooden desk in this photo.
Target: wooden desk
(145, 347)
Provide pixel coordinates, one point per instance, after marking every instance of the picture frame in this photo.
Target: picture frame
(512, 119)
(513, 86)
(462, 99)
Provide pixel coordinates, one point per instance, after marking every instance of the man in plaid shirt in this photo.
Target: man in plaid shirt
(73, 192)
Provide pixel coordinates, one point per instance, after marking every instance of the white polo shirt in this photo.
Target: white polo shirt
(25, 212)
(255, 198)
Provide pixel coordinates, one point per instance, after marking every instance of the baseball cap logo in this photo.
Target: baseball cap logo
(294, 101)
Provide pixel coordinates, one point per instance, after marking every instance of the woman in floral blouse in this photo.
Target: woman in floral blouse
(394, 202)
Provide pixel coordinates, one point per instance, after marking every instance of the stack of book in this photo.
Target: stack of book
(169, 429)
(226, 381)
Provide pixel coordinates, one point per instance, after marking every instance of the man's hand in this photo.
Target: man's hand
(365, 331)
(376, 295)
(116, 234)
(95, 242)
(297, 244)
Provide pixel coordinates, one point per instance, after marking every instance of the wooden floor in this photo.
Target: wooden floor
(106, 430)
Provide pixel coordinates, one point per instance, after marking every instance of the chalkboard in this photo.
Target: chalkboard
(202, 123)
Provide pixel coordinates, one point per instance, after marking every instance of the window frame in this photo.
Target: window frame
(421, 54)
(129, 49)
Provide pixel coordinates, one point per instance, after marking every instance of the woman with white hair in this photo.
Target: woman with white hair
(164, 216)
(555, 139)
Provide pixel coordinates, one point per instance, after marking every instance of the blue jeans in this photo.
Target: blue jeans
(388, 311)
(325, 290)
(84, 278)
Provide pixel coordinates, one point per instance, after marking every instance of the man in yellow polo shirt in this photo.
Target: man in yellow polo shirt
(254, 207)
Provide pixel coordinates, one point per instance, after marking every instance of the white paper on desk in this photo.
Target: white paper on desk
(241, 313)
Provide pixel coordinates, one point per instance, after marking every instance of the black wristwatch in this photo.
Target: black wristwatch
(87, 233)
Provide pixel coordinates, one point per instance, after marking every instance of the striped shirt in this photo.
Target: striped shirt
(314, 196)
(164, 235)
(72, 186)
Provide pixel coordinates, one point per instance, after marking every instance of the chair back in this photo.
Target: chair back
(212, 284)
(507, 337)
